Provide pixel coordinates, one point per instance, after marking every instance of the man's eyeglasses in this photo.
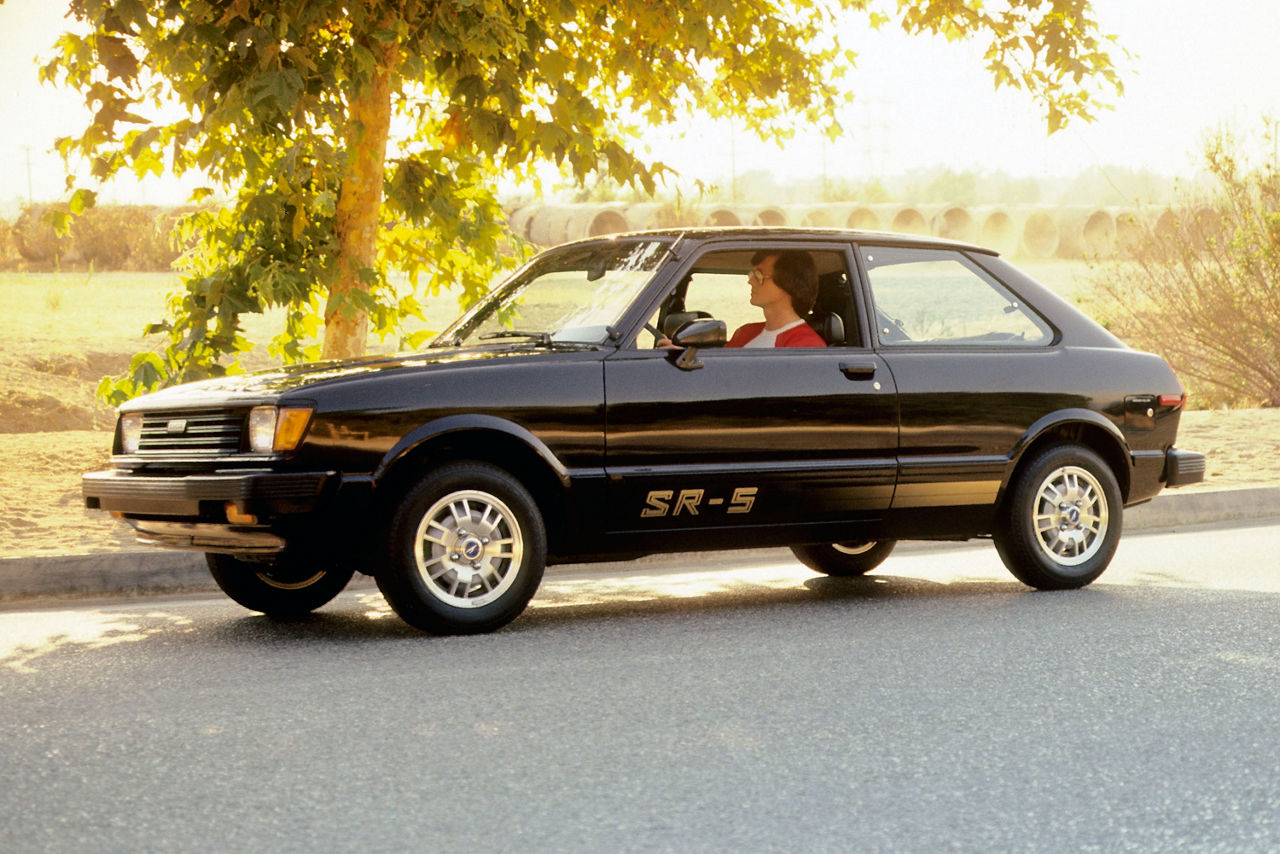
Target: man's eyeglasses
(757, 276)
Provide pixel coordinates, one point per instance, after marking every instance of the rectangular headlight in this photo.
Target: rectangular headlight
(130, 432)
(262, 429)
(274, 429)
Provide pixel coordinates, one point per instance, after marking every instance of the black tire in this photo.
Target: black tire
(283, 589)
(465, 551)
(846, 560)
(1062, 519)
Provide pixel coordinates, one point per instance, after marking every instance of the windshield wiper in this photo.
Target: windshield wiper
(543, 338)
(455, 341)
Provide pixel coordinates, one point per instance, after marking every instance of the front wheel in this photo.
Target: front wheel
(465, 551)
(1062, 520)
(846, 560)
(288, 587)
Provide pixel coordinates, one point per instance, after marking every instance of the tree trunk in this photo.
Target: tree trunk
(346, 327)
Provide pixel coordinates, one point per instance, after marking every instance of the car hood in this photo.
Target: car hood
(268, 385)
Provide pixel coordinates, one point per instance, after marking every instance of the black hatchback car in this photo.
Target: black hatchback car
(955, 398)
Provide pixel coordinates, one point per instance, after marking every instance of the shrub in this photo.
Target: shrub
(1202, 287)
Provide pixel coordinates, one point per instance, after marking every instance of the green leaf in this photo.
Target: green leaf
(81, 201)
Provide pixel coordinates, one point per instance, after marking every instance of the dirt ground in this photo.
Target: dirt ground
(41, 512)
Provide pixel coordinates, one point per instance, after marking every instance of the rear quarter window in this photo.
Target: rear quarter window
(939, 297)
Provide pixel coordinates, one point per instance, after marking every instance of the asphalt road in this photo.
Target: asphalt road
(934, 705)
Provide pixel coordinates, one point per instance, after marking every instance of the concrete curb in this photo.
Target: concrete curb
(157, 571)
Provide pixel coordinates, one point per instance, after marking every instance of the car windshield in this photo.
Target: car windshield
(570, 295)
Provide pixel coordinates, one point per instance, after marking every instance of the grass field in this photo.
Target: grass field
(108, 312)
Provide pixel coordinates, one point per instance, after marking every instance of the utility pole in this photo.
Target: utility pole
(30, 201)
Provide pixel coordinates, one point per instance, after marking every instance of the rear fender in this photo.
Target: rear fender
(1081, 426)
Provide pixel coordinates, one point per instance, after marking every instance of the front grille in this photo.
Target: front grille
(193, 431)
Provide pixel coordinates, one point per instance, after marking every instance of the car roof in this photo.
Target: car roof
(767, 232)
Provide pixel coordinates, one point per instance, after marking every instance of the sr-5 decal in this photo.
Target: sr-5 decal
(663, 502)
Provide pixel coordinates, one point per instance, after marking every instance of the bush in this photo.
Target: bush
(1202, 287)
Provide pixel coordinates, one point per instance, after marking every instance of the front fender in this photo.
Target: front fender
(439, 427)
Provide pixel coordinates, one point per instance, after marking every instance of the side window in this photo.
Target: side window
(717, 286)
(938, 296)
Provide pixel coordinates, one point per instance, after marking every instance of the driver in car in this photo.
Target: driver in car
(784, 286)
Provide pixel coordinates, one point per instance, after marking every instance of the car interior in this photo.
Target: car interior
(717, 288)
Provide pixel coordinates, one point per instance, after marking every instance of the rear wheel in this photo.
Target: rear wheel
(465, 551)
(288, 587)
(1062, 520)
(848, 559)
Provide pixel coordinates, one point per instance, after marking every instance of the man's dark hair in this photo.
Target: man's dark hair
(795, 273)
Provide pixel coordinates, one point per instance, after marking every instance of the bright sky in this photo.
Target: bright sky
(921, 103)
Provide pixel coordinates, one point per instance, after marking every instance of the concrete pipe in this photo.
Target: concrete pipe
(815, 216)
(1209, 225)
(1130, 230)
(955, 223)
(720, 217)
(766, 216)
(997, 230)
(863, 218)
(1038, 233)
(1086, 232)
(594, 220)
(1099, 234)
(648, 215)
(549, 225)
(520, 219)
(903, 219)
(1166, 225)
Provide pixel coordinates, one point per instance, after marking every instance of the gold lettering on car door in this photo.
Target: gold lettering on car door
(689, 500)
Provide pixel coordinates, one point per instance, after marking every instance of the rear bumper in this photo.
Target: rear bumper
(1183, 467)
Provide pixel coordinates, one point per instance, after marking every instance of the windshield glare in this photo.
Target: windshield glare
(568, 295)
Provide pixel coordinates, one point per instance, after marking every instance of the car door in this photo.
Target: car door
(975, 367)
(801, 441)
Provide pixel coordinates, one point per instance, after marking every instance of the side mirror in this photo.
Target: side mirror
(701, 333)
(695, 334)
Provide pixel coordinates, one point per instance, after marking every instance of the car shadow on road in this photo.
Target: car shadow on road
(618, 603)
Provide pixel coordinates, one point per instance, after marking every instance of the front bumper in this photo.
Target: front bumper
(203, 496)
(191, 511)
(1183, 467)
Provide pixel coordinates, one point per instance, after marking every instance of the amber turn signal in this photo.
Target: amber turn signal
(235, 517)
(290, 427)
